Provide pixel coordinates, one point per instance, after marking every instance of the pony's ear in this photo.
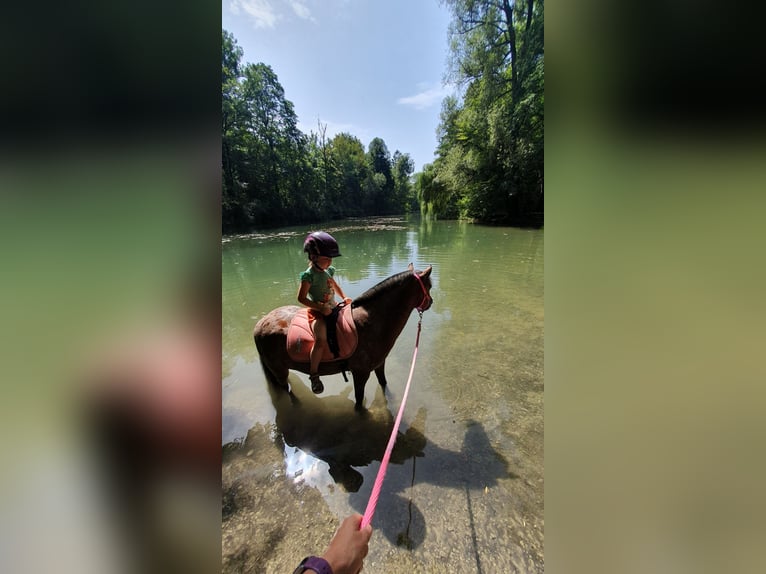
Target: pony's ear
(426, 273)
(410, 267)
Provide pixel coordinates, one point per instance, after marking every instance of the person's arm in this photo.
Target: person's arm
(339, 291)
(303, 299)
(349, 546)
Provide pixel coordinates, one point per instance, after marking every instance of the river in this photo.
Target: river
(465, 485)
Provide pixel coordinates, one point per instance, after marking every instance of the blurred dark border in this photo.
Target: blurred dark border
(110, 236)
(654, 161)
(678, 66)
(119, 70)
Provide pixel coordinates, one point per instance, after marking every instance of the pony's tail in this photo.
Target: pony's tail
(270, 376)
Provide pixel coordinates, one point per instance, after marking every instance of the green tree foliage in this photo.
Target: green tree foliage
(273, 174)
(433, 196)
(402, 167)
(275, 145)
(489, 164)
(380, 181)
(350, 160)
(233, 146)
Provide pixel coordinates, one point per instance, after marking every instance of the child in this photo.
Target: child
(317, 292)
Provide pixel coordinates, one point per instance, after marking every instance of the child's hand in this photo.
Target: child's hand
(347, 300)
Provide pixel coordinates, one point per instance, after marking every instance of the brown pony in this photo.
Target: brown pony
(380, 314)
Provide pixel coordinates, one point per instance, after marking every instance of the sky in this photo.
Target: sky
(371, 68)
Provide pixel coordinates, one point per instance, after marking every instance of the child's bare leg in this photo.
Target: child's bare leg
(320, 341)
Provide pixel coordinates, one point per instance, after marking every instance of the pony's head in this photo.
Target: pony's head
(411, 285)
(424, 280)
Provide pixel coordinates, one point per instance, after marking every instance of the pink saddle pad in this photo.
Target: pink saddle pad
(300, 338)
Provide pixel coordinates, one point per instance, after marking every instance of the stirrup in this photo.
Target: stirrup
(316, 384)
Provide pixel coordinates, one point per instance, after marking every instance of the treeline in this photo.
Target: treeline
(274, 175)
(489, 164)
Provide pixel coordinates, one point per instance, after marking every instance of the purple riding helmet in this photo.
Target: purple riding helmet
(321, 243)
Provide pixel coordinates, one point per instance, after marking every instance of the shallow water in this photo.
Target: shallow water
(465, 483)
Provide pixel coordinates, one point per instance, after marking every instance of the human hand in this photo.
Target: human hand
(347, 300)
(349, 546)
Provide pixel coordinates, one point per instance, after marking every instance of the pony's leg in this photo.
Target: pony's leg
(360, 380)
(380, 373)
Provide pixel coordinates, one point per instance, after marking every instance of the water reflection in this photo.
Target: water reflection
(328, 429)
(324, 436)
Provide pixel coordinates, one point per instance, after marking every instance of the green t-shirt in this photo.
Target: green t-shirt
(320, 291)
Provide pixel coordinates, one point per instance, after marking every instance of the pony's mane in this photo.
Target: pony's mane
(374, 292)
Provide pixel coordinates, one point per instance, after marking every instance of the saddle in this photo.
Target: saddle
(341, 343)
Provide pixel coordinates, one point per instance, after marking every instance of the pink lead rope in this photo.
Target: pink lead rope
(373, 501)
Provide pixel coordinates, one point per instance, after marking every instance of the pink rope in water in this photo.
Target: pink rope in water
(373, 501)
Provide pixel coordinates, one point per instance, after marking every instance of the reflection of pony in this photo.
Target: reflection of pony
(351, 445)
(379, 315)
(329, 430)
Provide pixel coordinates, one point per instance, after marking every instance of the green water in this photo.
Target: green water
(465, 486)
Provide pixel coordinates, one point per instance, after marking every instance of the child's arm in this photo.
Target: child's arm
(339, 291)
(304, 299)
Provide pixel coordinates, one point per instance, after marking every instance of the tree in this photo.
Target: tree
(490, 153)
(402, 167)
(379, 193)
(275, 145)
(349, 157)
(432, 194)
(233, 213)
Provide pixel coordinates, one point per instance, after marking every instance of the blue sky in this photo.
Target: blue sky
(372, 68)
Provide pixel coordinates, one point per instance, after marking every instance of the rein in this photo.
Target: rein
(373, 501)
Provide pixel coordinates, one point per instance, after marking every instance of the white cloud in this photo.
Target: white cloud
(424, 99)
(261, 11)
(301, 10)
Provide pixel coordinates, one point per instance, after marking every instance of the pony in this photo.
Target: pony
(379, 316)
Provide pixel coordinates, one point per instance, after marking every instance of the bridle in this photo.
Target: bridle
(424, 302)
